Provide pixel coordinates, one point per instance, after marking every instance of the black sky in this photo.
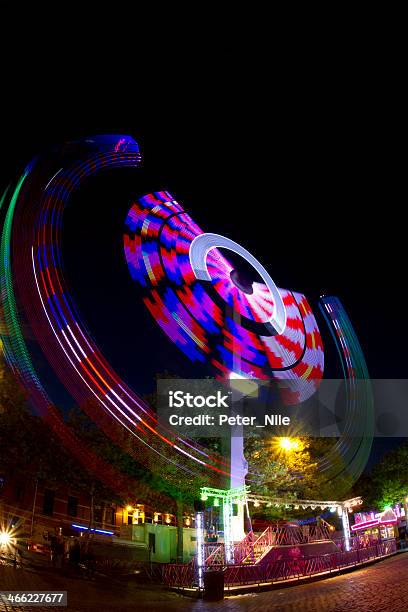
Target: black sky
(295, 152)
(310, 186)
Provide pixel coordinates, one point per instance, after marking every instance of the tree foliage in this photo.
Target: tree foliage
(387, 483)
(28, 447)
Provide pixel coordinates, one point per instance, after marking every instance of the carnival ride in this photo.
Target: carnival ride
(204, 304)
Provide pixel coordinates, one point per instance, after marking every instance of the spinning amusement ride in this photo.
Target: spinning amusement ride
(203, 303)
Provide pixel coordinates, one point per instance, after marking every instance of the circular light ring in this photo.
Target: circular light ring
(176, 266)
(195, 315)
(62, 335)
(124, 151)
(199, 250)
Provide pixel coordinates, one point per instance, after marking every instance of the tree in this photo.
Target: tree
(277, 470)
(387, 483)
(29, 447)
(334, 482)
(179, 488)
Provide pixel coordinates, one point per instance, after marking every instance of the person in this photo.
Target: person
(67, 546)
(53, 550)
(75, 553)
(89, 561)
(59, 552)
(298, 562)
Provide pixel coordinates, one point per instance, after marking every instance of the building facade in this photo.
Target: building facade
(36, 511)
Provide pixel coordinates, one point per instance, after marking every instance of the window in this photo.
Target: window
(110, 515)
(72, 506)
(98, 514)
(48, 504)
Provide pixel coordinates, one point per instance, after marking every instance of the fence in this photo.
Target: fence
(184, 575)
(254, 546)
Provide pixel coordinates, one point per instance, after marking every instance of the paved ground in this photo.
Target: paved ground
(377, 588)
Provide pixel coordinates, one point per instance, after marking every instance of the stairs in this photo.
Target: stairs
(252, 550)
(260, 547)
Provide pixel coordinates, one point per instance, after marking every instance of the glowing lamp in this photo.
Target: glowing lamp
(204, 496)
(129, 508)
(285, 443)
(5, 538)
(256, 504)
(188, 522)
(289, 444)
(216, 501)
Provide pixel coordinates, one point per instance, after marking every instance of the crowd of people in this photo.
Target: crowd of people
(69, 552)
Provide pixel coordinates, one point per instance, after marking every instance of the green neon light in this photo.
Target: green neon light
(225, 496)
(3, 197)
(9, 303)
(14, 345)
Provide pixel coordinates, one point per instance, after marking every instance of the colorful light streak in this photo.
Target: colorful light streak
(192, 312)
(350, 453)
(190, 292)
(15, 350)
(71, 344)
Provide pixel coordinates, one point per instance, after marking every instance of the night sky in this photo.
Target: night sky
(295, 158)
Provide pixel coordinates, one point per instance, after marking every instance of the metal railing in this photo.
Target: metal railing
(184, 575)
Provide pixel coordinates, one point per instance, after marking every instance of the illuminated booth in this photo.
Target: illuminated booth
(381, 525)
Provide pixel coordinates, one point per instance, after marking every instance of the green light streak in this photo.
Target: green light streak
(14, 346)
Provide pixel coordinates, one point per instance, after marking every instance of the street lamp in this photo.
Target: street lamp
(289, 444)
(5, 538)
